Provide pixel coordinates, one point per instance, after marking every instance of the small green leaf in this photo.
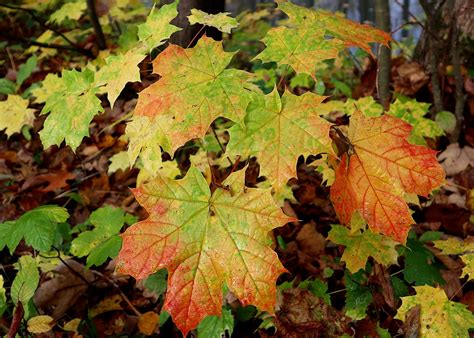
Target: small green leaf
(317, 288)
(25, 70)
(400, 288)
(38, 227)
(216, 326)
(103, 241)
(362, 245)
(446, 120)
(7, 87)
(109, 248)
(26, 281)
(358, 296)
(157, 282)
(220, 21)
(420, 265)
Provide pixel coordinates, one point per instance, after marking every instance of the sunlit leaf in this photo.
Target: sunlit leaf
(14, 114)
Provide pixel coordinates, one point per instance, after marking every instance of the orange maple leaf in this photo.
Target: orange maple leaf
(382, 167)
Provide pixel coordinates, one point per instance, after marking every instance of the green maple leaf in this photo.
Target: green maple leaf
(465, 249)
(38, 227)
(103, 241)
(71, 10)
(157, 29)
(118, 71)
(194, 90)
(310, 36)
(300, 48)
(439, 317)
(278, 130)
(71, 109)
(206, 240)
(362, 245)
(220, 21)
(14, 114)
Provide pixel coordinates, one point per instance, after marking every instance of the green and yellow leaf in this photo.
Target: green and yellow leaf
(439, 316)
(14, 114)
(205, 239)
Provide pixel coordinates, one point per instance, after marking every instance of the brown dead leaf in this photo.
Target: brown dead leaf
(302, 312)
(310, 241)
(409, 77)
(60, 293)
(55, 181)
(411, 325)
(148, 322)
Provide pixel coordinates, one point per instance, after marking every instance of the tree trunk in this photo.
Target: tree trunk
(405, 16)
(433, 26)
(382, 18)
(366, 11)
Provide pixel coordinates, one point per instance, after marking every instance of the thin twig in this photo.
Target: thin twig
(96, 25)
(41, 44)
(74, 272)
(124, 297)
(220, 144)
(195, 37)
(44, 25)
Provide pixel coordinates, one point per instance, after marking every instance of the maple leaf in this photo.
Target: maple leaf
(310, 36)
(14, 114)
(439, 317)
(278, 130)
(157, 29)
(205, 240)
(49, 86)
(71, 10)
(220, 21)
(382, 167)
(71, 109)
(194, 90)
(464, 248)
(145, 135)
(118, 70)
(362, 245)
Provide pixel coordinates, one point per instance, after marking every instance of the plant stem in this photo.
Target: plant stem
(96, 25)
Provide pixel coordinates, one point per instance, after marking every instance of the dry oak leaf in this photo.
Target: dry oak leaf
(310, 36)
(195, 88)
(278, 130)
(205, 240)
(383, 166)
